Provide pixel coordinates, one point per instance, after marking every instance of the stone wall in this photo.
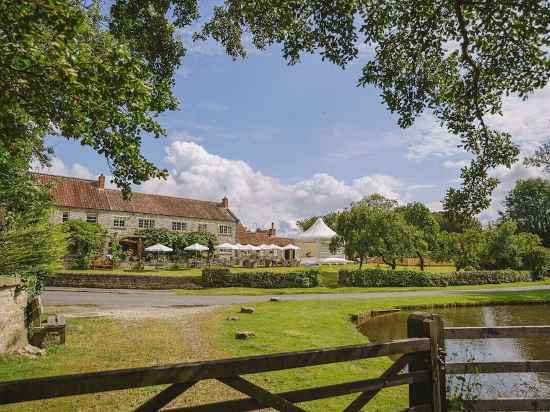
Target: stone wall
(106, 219)
(13, 331)
(78, 280)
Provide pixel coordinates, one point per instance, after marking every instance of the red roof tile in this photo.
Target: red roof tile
(85, 194)
(245, 237)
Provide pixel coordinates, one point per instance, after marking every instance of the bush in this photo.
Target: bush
(223, 278)
(412, 278)
(538, 263)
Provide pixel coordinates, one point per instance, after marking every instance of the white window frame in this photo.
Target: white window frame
(179, 226)
(90, 215)
(146, 223)
(203, 227)
(225, 230)
(65, 215)
(117, 220)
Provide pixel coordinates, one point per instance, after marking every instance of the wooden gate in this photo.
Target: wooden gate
(417, 358)
(421, 366)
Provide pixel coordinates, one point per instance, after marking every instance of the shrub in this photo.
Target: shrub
(224, 278)
(538, 263)
(411, 278)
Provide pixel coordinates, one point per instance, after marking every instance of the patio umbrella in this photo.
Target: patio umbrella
(252, 248)
(291, 247)
(226, 246)
(196, 247)
(275, 247)
(158, 248)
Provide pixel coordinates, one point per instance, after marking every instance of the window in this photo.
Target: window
(179, 226)
(146, 223)
(225, 230)
(119, 221)
(203, 227)
(91, 217)
(66, 215)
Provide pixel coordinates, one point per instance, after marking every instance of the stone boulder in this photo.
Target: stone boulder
(13, 331)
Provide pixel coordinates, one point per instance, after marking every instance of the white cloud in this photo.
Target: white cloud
(455, 164)
(58, 167)
(507, 178)
(259, 199)
(527, 121)
(184, 135)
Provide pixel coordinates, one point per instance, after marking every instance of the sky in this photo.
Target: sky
(286, 142)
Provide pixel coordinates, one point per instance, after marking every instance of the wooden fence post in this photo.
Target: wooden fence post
(433, 393)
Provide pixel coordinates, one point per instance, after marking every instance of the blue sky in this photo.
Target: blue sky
(285, 142)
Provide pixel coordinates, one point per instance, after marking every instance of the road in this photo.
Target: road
(125, 299)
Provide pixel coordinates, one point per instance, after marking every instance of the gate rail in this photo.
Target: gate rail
(183, 376)
(464, 368)
(422, 367)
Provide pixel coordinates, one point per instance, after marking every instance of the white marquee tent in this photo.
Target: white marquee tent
(320, 235)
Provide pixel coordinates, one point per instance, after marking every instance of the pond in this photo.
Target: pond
(393, 326)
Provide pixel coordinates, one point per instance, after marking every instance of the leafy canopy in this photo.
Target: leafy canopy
(86, 240)
(528, 203)
(66, 70)
(456, 59)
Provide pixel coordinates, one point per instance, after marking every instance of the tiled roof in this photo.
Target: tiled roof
(86, 194)
(245, 237)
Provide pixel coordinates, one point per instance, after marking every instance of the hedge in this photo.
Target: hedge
(223, 278)
(411, 278)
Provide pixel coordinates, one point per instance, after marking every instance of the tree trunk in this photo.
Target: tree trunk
(421, 258)
(360, 262)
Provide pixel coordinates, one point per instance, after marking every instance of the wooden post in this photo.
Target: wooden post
(422, 325)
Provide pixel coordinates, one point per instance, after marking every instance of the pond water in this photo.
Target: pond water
(393, 326)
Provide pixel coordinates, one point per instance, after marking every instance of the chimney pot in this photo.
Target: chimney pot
(225, 202)
(101, 181)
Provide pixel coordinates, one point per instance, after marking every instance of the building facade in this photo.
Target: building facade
(89, 200)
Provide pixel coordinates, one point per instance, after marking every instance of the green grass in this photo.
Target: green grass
(100, 344)
(95, 344)
(299, 325)
(329, 290)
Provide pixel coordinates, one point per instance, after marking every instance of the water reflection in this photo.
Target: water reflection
(393, 326)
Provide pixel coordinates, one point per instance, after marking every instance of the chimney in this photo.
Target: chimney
(225, 202)
(273, 229)
(101, 182)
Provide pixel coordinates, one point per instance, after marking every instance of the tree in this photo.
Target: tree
(374, 227)
(541, 157)
(505, 248)
(419, 216)
(456, 223)
(357, 233)
(66, 70)
(177, 241)
(86, 240)
(465, 248)
(457, 59)
(528, 203)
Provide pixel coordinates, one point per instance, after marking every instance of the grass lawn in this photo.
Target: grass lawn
(95, 344)
(100, 344)
(333, 290)
(299, 325)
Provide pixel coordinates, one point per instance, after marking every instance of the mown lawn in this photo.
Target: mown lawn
(335, 290)
(100, 344)
(299, 325)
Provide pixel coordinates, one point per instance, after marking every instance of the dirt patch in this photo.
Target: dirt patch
(90, 311)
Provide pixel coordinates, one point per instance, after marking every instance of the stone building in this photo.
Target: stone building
(89, 200)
